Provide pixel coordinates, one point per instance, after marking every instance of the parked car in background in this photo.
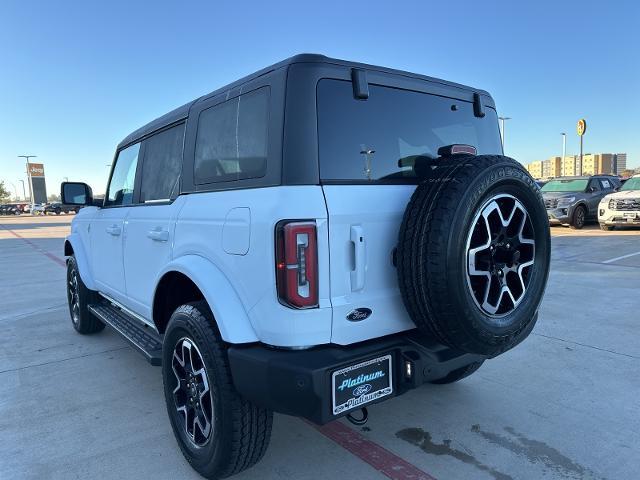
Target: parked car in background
(622, 207)
(574, 201)
(37, 209)
(57, 208)
(541, 183)
(9, 210)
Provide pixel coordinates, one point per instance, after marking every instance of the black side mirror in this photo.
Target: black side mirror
(76, 193)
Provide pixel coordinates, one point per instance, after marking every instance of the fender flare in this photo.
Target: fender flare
(227, 308)
(79, 252)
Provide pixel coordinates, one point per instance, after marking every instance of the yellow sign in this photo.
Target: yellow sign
(582, 126)
(36, 170)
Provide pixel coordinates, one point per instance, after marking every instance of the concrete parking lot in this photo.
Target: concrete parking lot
(564, 404)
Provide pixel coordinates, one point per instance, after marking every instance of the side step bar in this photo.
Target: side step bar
(141, 336)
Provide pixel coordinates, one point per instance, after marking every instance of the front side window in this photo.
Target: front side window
(162, 165)
(382, 138)
(231, 142)
(594, 185)
(120, 191)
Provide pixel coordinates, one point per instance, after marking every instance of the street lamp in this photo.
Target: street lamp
(502, 120)
(24, 192)
(27, 157)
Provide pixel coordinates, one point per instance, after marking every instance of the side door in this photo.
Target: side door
(107, 227)
(150, 225)
(595, 195)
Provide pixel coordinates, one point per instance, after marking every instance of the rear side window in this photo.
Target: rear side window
(162, 165)
(231, 142)
(379, 139)
(120, 191)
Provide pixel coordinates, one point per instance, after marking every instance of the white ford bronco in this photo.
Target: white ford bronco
(312, 239)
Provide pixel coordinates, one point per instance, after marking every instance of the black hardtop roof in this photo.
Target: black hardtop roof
(182, 112)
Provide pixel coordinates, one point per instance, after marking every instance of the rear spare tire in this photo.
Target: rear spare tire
(473, 253)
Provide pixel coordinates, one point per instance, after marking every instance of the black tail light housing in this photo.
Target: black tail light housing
(297, 263)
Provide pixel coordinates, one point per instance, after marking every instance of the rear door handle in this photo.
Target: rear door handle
(360, 258)
(114, 230)
(158, 234)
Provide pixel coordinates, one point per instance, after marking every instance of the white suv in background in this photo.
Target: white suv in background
(311, 239)
(621, 208)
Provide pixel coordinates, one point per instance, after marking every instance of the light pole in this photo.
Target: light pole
(24, 192)
(502, 120)
(564, 150)
(27, 157)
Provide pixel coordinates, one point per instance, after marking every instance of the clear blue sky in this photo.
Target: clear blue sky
(77, 77)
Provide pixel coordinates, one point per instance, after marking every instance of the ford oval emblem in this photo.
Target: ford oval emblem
(362, 390)
(359, 314)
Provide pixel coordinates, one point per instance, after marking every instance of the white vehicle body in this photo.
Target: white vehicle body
(621, 208)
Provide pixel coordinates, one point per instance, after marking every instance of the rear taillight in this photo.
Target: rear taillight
(297, 263)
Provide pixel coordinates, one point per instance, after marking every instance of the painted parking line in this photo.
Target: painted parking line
(49, 255)
(384, 461)
(622, 257)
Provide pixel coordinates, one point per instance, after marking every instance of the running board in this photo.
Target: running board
(141, 336)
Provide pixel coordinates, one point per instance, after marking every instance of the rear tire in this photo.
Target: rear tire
(239, 431)
(444, 298)
(459, 374)
(79, 297)
(579, 218)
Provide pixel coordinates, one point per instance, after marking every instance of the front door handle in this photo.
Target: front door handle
(114, 230)
(158, 235)
(360, 258)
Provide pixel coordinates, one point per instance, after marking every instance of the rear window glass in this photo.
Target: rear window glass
(379, 139)
(232, 138)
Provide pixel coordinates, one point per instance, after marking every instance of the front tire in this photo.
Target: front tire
(79, 297)
(219, 432)
(579, 218)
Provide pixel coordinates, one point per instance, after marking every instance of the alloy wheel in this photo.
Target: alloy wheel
(74, 296)
(192, 394)
(500, 255)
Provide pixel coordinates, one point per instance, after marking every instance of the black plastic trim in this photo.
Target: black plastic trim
(298, 382)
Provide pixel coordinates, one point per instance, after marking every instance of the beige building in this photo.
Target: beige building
(570, 166)
(535, 169)
(552, 167)
(598, 164)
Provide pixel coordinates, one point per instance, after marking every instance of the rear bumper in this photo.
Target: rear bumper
(298, 382)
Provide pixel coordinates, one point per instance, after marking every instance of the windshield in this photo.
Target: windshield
(632, 184)
(382, 138)
(577, 185)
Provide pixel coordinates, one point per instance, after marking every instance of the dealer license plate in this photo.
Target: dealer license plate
(631, 216)
(358, 385)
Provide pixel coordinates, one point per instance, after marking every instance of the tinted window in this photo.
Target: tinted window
(393, 128)
(120, 191)
(606, 184)
(162, 165)
(577, 185)
(232, 137)
(593, 184)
